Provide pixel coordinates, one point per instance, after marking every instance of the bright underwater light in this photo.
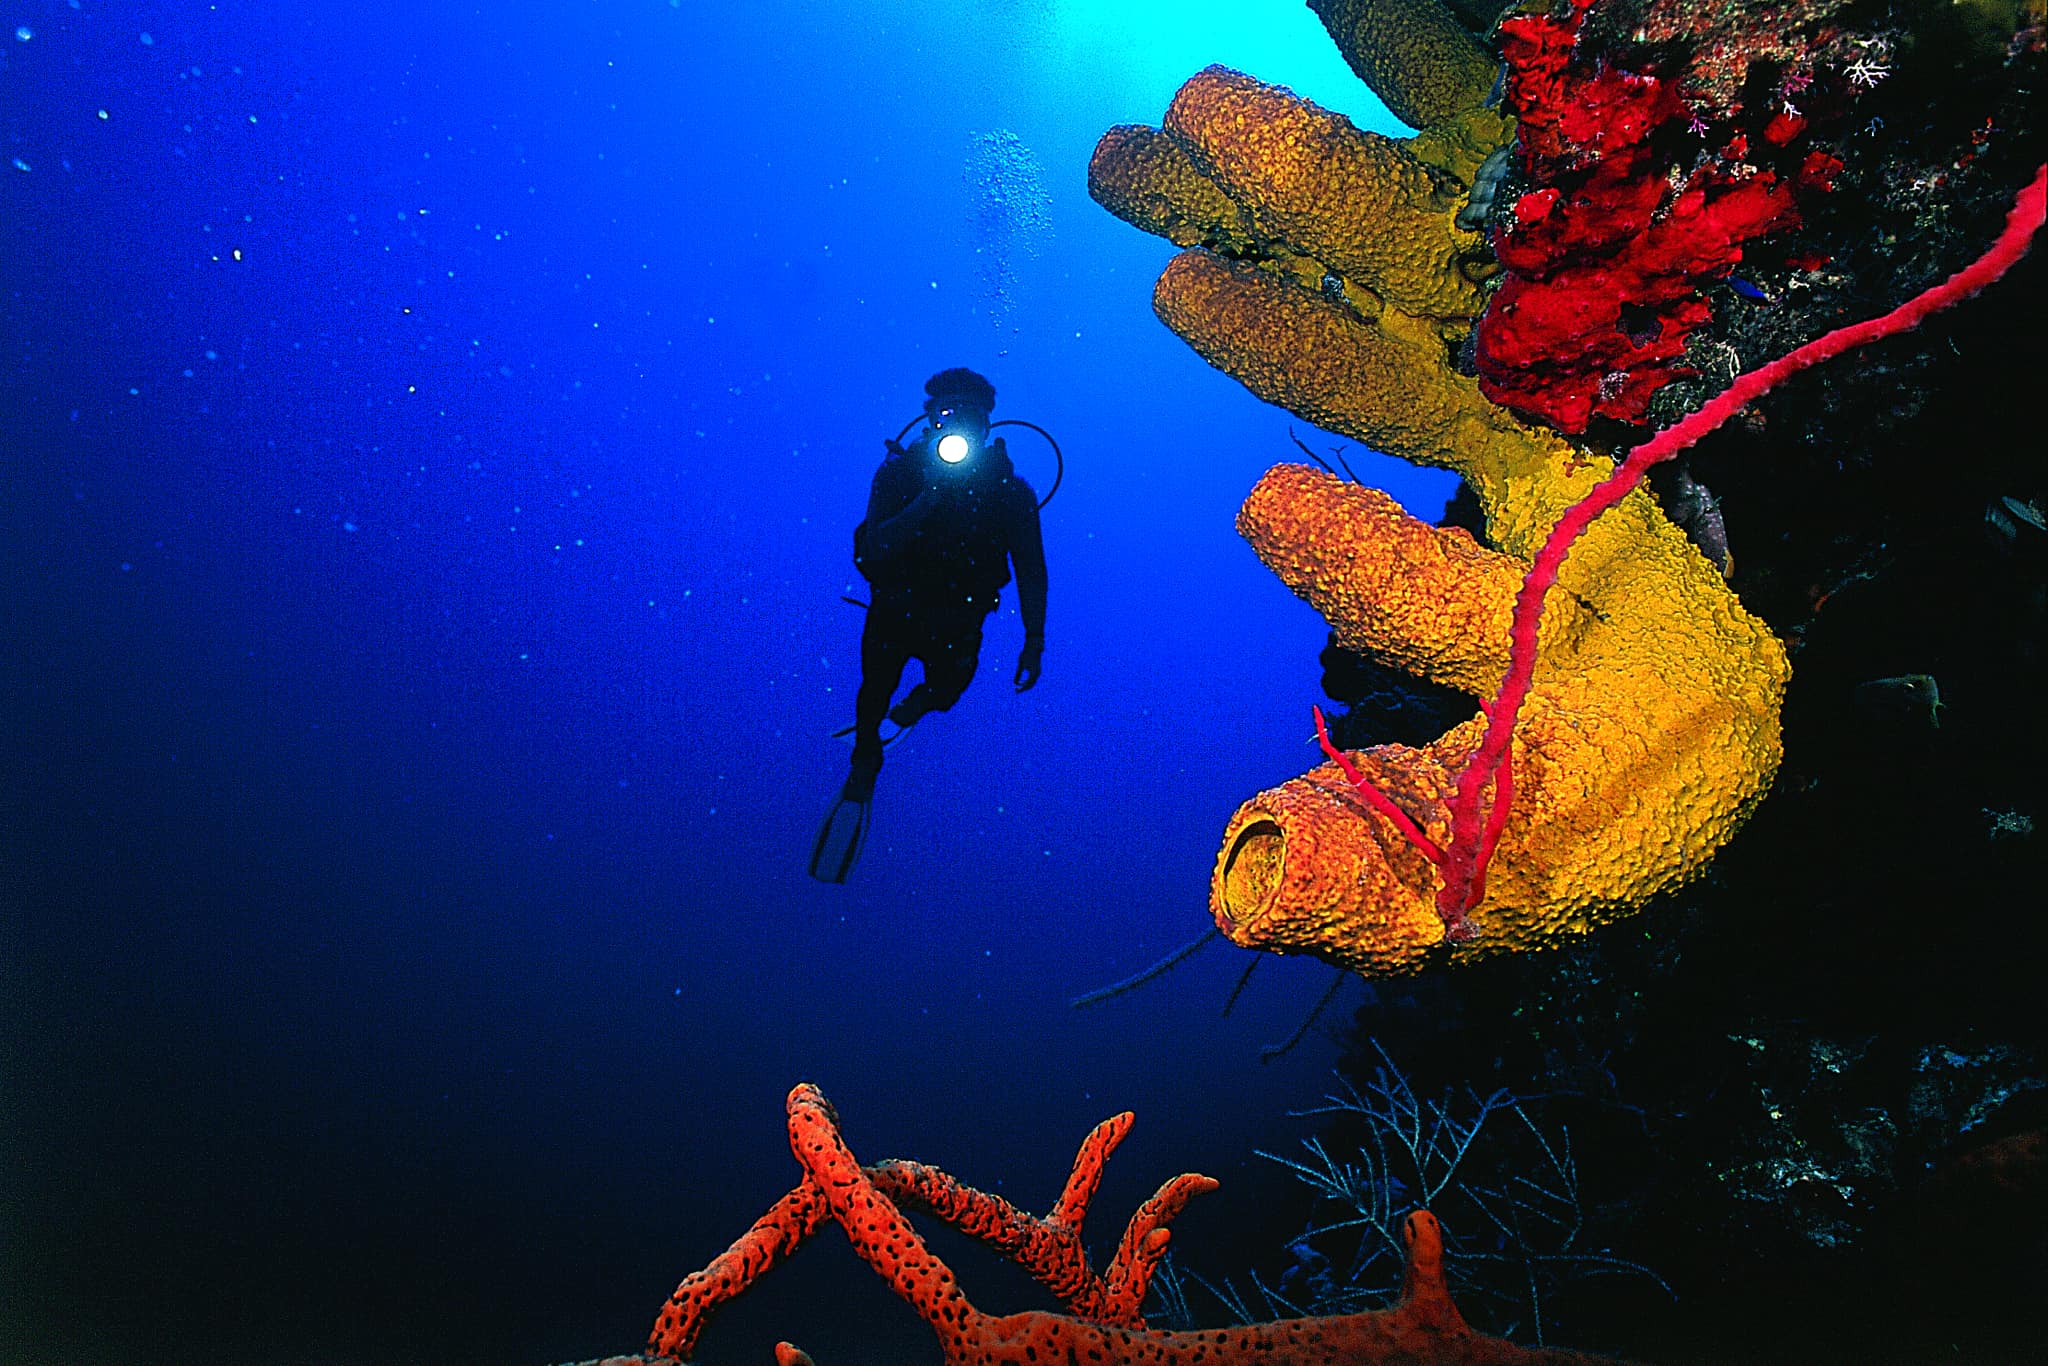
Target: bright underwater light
(953, 448)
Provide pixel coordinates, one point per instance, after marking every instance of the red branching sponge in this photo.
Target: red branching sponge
(1605, 260)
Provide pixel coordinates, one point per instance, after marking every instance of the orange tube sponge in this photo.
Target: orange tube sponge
(1650, 732)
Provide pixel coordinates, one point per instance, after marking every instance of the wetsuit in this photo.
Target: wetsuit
(936, 585)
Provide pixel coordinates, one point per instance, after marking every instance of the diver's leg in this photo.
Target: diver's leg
(950, 659)
(884, 650)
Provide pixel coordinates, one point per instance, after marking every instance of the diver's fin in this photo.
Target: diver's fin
(844, 830)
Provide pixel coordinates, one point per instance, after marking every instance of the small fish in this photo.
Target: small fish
(1748, 290)
(1486, 183)
(2014, 522)
(1904, 699)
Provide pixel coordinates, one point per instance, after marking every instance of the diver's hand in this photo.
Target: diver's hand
(1027, 665)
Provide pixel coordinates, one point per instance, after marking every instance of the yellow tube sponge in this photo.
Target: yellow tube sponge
(1354, 200)
(1156, 186)
(1383, 378)
(1414, 54)
(1650, 733)
(1327, 274)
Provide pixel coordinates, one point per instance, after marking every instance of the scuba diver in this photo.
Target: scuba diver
(948, 521)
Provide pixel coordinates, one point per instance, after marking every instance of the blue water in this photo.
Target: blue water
(433, 437)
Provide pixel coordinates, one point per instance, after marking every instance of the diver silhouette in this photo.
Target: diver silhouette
(948, 519)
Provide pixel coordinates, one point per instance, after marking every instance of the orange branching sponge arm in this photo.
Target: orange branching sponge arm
(1050, 1248)
(879, 1231)
(773, 1237)
(1143, 1246)
(1424, 1326)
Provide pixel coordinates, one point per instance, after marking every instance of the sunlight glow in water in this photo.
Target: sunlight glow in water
(1163, 42)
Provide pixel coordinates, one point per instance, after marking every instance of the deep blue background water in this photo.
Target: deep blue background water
(432, 437)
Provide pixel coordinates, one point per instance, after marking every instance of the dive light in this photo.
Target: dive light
(957, 447)
(953, 445)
